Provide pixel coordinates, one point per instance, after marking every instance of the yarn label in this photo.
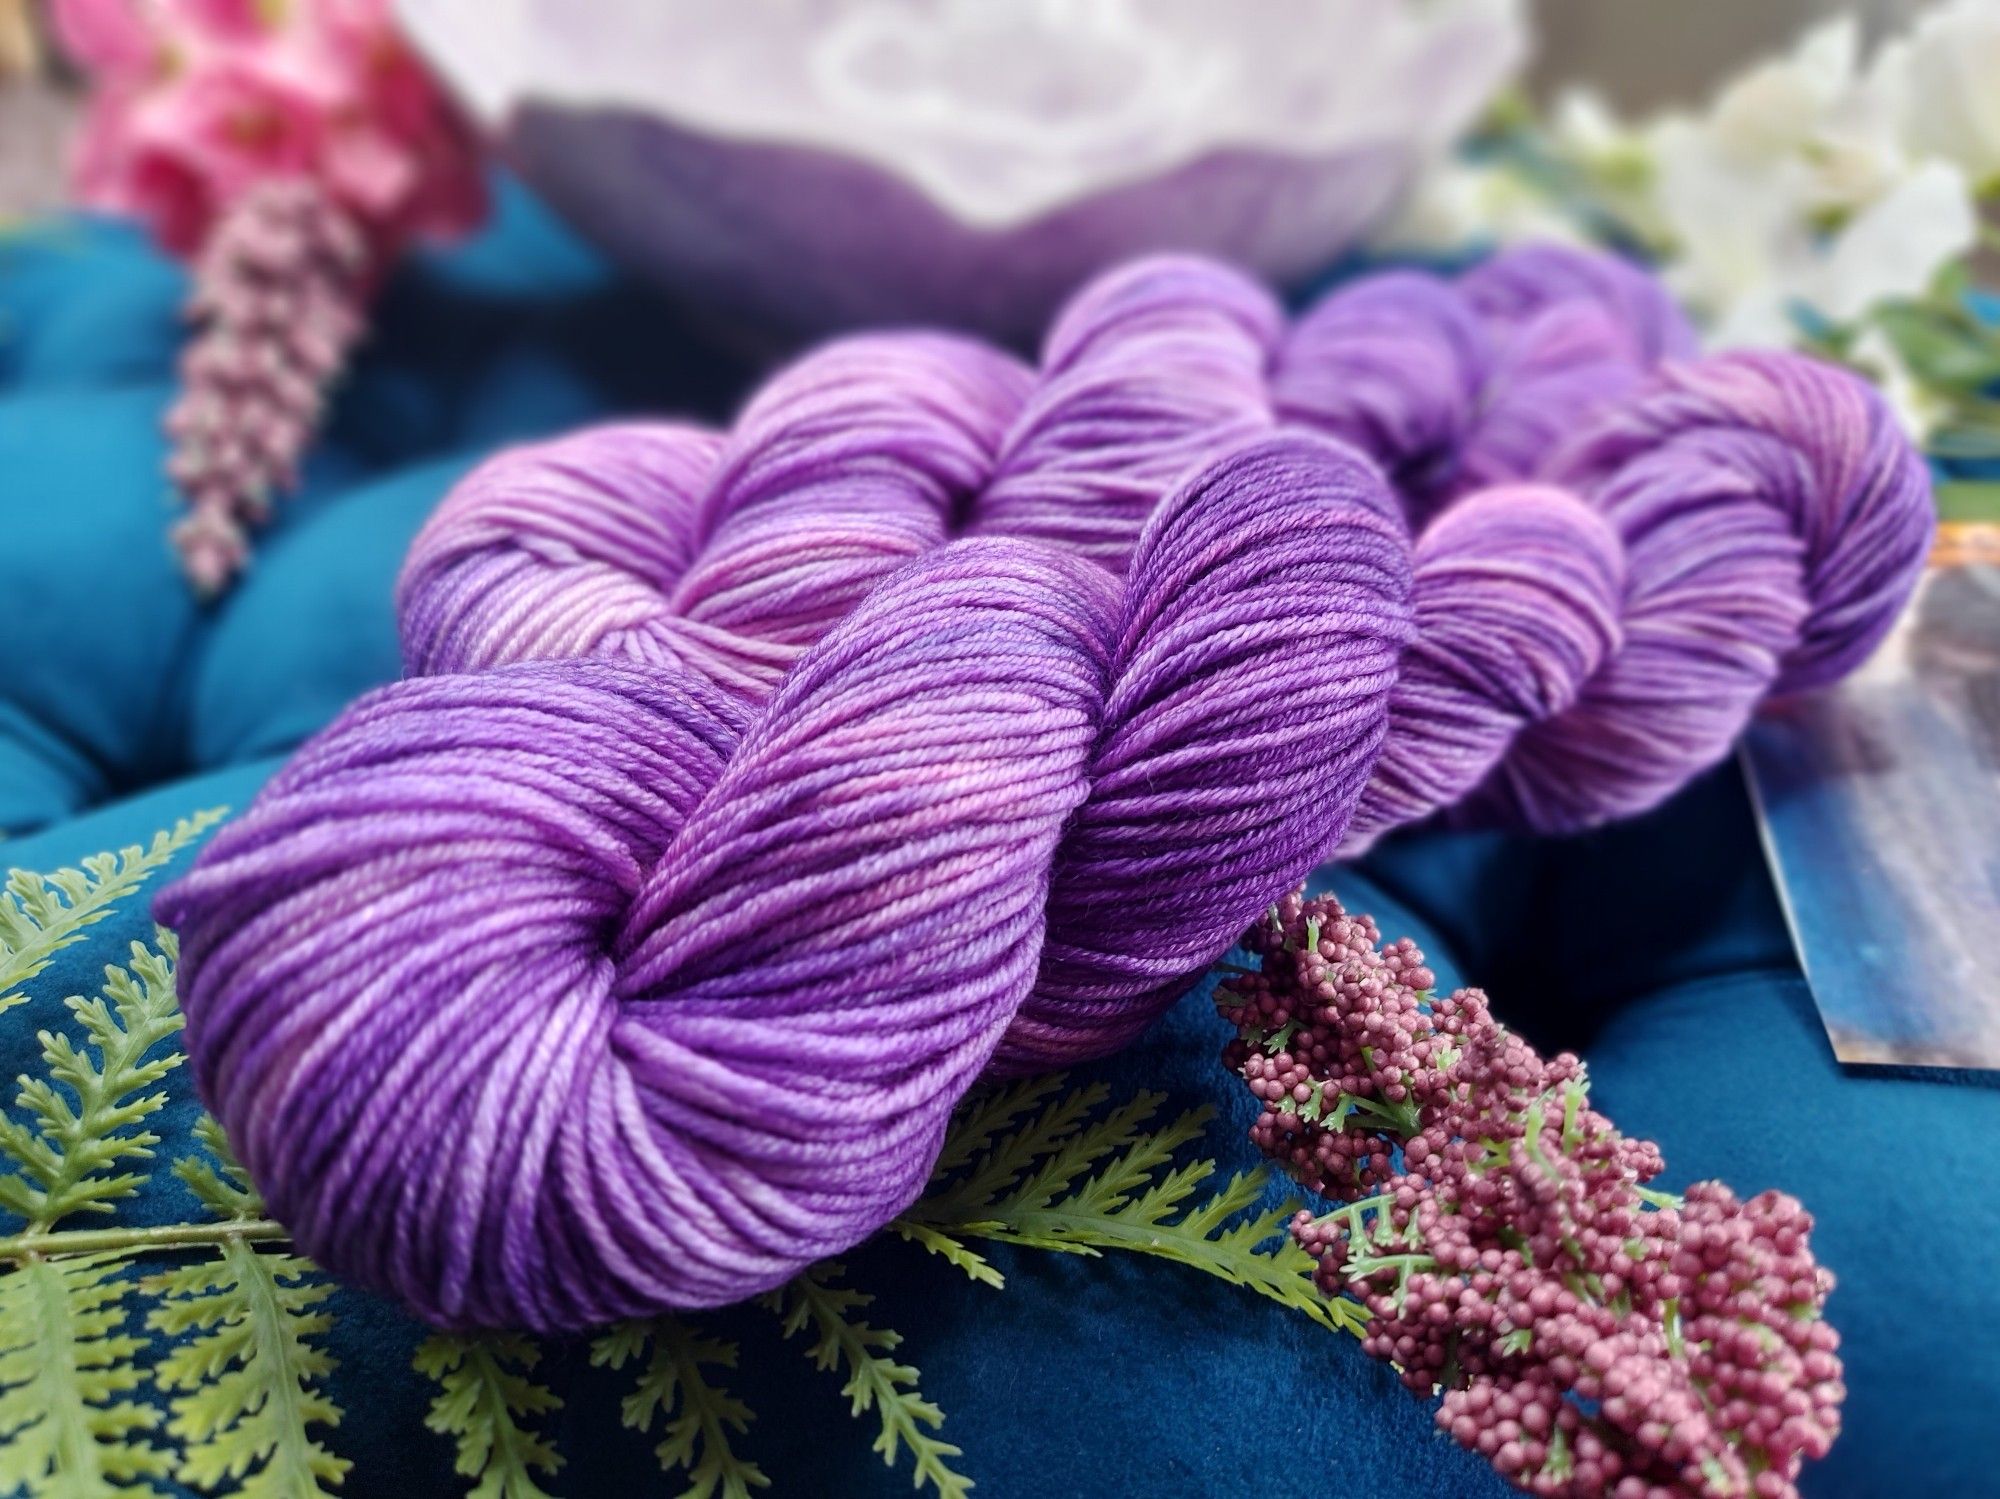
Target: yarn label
(1879, 805)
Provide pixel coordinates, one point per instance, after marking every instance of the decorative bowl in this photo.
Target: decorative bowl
(792, 167)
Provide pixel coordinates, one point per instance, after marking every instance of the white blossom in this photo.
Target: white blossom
(1458, 203)
(1941, 84)
(1896, 245)
(1800, 185)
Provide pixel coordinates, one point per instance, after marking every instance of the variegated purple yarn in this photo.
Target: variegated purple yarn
(754, 793)
(566, 990)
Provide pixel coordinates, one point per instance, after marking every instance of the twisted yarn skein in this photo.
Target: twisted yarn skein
(753, 794)
(552, 993)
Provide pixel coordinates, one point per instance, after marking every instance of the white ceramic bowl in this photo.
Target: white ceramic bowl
(791, 167)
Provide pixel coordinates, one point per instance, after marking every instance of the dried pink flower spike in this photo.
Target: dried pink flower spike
(280, 297)
(1589, 1336)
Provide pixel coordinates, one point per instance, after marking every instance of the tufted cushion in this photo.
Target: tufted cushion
(1656, 948)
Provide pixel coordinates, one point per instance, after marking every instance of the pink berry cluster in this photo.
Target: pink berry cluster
(278, 144)
(279, 298)
(1589, 1336)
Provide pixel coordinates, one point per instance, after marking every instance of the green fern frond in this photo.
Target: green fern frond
(485, 1400)
(1076, 1185)
(88, 1112)
(40, 914)
(1128, 1153)
(1004, 1159)
(874, 1380)
(955, 1252)
(222, 1185)
(66, 1362)
(986, 1114)
(698, 1413)
(245, 1385)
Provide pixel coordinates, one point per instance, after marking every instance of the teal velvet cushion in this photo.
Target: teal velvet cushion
(1657, 949)
(113, 679)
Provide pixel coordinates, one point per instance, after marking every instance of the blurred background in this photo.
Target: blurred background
(1638, 53)
(1817, 174)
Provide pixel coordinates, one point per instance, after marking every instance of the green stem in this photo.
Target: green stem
(1035, 1228)
(23, 1247)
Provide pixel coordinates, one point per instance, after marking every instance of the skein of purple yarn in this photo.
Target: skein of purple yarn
(558, 992)
(754, 793)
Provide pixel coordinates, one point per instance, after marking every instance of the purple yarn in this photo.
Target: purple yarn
(558, 992)
(1246, 698)
(1455, 386)
(755, 793)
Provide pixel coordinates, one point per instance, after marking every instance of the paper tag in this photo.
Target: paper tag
(1879, 805)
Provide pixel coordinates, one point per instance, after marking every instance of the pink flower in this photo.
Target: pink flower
(168, 189)
(199, 100)
(369, 172)
(114, 39)
(246, 118)
(238, 19)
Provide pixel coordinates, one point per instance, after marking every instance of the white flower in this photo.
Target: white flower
(1777, 107)
(1809, 182)
(1459, 203)
(1895, 246)
(1751, 249)
(1615, 159)
(1795, 190)
(1941, 85)
(1739, 230)
(1811, 109)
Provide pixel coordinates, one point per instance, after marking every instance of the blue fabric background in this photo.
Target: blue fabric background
(1657, 948)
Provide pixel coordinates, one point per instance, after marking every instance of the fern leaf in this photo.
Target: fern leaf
(985, 1115)
(245, 1393)
(699, 1415)
(485, 1400)
(88, 1113)
(955, 1252)
(1120, 1136)
(40, 914)
(66, 1364)
(1011, 1157)
(1082, 1186)
(244, 1385)
(222, 1185)
(874, 1380)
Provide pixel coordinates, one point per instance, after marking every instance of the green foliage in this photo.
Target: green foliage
(66, 1369)
(244, 1381)
(245, 1391)
(485, 1399)
(1943, 341)
(1076, 1181)
(238, 1357)
(700, 1415)
(955, 1252)
(215, 1177)
(1975, 501)
(89, 1109)
(875, 1381)
(41, 914)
